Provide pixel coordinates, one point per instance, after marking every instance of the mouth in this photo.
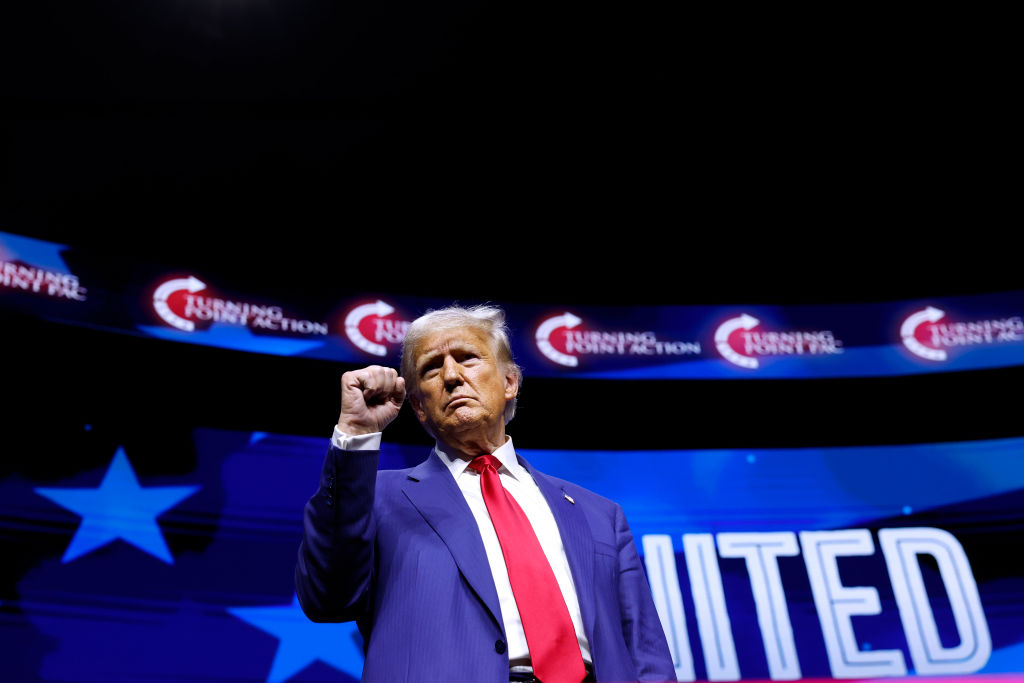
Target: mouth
(458, 400)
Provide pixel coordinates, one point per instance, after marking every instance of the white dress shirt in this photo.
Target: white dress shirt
(518, 482)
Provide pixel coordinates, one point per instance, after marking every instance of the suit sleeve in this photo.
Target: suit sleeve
(641, 626)
(334, 573)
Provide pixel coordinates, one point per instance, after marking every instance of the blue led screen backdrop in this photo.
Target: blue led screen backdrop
(550, 340)
(765, 563)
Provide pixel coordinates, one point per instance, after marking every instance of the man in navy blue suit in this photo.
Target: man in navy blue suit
(472, 566)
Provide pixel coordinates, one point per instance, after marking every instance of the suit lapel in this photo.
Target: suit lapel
(433, 492)
(577, 540)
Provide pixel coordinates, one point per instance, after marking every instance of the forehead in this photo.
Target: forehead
(452, 339)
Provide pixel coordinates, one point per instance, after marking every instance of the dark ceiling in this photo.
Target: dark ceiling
(605, 154)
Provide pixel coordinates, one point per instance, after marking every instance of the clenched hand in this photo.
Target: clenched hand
(370, 399)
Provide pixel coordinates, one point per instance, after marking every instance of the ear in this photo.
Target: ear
(511, 384)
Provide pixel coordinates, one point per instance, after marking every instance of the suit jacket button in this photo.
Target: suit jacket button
(499, 647)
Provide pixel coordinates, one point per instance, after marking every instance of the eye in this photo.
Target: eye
(430, 368)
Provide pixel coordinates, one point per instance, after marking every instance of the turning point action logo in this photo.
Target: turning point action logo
(927, 334)
(372, 326)
(562, 339)
(35, 266)
(41, 281)
(738, 341)
(178, 304)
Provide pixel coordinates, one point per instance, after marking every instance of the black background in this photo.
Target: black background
(301, 150)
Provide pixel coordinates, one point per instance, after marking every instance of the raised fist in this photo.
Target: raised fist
(370, 399)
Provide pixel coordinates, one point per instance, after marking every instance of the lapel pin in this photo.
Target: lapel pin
(568, 497)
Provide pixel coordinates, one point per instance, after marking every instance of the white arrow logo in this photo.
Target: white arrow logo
(165, 290)
(356, 315)
(544, 338)
(909, 327)
(743, 322)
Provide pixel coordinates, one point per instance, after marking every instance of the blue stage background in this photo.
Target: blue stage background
(137, 569)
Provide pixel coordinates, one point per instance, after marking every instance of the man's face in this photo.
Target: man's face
(461, 385)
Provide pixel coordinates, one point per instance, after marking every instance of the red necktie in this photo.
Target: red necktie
(550, 635)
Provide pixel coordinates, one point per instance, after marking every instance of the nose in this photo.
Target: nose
(451, 372)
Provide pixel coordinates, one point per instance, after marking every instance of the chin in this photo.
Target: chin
(466, 419)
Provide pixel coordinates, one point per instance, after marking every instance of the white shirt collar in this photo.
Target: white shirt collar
(505, 454)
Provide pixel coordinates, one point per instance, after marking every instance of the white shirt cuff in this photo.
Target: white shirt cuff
(358, 442)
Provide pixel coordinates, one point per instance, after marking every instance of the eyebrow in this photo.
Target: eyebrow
(454, 347)
(427, 359)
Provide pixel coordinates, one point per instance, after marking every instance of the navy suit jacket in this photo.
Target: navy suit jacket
(400, 551)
